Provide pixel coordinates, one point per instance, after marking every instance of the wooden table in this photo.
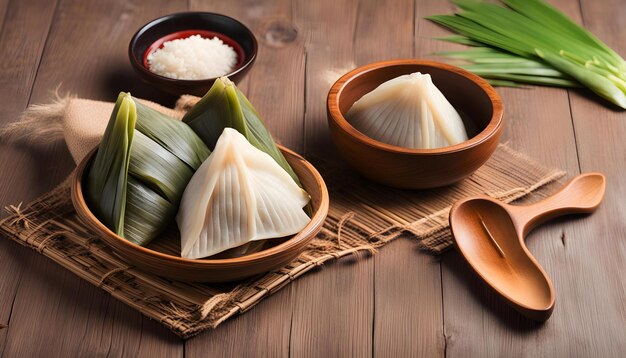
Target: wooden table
(401, 302)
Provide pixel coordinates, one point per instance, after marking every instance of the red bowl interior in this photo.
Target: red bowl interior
(188, 33)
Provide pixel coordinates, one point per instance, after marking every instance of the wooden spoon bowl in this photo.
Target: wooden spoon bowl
(476, 101)
(490, 236)
(162, 256)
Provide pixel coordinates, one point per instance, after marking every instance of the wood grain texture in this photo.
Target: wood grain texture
(280, 104)
(409, 168)
(598, 254)
(341, 326)
(328, 29)
(490, 236)
(54, 312)
(539, 123)
(23, 33)
(408, 318)
(398, 303)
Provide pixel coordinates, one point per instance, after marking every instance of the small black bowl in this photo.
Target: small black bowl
(182, 25)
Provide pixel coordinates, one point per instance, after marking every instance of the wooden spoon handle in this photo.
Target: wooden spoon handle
(583, 194)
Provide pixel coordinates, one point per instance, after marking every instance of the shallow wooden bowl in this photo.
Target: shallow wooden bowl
(162, 255)
(476, 101)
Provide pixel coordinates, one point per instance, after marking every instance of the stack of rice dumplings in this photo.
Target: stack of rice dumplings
(150, 168)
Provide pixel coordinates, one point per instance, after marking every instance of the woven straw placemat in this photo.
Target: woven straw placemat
(363, 218)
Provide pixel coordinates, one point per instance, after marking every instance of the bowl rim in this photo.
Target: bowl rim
(492, 128)
(304, 235)
(140, 67)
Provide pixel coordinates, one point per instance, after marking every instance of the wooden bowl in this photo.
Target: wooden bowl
(162, 255)
(476, 101)
(152, 35)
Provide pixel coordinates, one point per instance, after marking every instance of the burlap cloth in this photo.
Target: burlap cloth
(361, 219)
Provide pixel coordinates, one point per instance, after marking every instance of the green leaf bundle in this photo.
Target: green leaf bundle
(529, 41)
(141, 169)
(225, 106)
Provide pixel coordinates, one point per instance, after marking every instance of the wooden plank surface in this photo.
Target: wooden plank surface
(267, 327)
(577, 253)
(22, 38)
(597, 261)
(408, 312)
(399, 303)
(54, 311)
(333, 308)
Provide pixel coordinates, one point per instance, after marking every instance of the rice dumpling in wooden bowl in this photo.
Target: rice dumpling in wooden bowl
(414, 124)
(162, 255)
(242, 204)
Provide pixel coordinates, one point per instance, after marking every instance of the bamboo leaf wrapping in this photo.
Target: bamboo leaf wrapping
(141, 169)
(225, 106)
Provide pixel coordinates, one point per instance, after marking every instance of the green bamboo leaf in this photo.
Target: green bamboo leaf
(524, 31)
(533, 80)
(217, 110)
(260, 137)
(479, 33)
(503, 83)
(559, 51)
(542, 12)
(177, 137)
(486, 55)
(457, 39)
(225, 106)
(159, 169)
(106, 180)
(518, 68)
(147, 213)
(597, 83)
(141, 169)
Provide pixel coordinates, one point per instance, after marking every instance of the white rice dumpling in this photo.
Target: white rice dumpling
(408, 111)
(238, 195)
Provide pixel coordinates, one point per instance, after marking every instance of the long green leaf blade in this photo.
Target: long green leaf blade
(175, 136)
(458, 39)
(597, 83)
(165, 154)
(107, 177)
(503, 83)
(260, 137)
(561, 52)
(158, 168)
(542, 12)
(533, 80)
(212, 114)
(141, 169)
(147, 214)
(517, 68)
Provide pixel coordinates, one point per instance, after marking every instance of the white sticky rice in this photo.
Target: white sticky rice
(193, 58)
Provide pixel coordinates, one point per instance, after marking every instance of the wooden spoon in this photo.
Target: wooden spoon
(490, 236)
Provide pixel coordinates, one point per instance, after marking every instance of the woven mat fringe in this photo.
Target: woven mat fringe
(360, 221)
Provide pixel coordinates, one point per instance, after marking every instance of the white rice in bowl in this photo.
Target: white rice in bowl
(193, 58)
